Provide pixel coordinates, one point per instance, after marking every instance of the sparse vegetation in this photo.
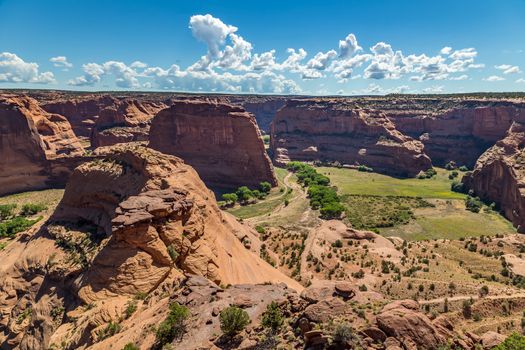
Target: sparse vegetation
(31, 209)
(174, 326)
(273, 317)
(233, 320)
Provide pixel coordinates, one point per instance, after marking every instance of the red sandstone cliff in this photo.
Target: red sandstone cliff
(329, 130)
(32, 143)
(460, 134)
(499, 175)
(222, 142)
(126, 121)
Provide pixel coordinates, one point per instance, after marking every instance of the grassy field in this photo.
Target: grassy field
(449, 219)
(371, 204)
(350, 181)
(50, 198)
(274, 199)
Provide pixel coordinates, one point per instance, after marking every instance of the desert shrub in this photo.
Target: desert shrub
(358, 274)
(337, 244)
(32, 209)
(513, 342)
(233, 320)
(467, 308)
(265, 187)
(130, 346)
(272, 317)
(7, 211)
(344, 334)
(131, 307)
(110, 330)
(451, 165)
(174, 326)
(473, 204)
(172, 251)
(260, 229)
(483, 291)
(458, 186)
(463, 168)
(364, 168)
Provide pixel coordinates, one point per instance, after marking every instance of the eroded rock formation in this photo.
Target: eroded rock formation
(222, 142)
(126, 121)
(329, 130)
(34, 145)
(132, 221)
(499, 175)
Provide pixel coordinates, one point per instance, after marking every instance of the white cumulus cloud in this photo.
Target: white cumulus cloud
(61, 62)
(14, 69)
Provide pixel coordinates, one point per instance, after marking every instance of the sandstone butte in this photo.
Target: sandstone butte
(499, 175)
(37, 149)
(143, 220)
(222, 142)
(330, 130)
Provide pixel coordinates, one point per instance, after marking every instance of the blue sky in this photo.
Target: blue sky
(303, 47)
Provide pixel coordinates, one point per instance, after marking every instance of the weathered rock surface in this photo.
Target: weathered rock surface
(403, 321)
(332, 131)
(220, 141)
(462, 132)
(33, 145)
(132, 221)
(499, 176)
(127, 121)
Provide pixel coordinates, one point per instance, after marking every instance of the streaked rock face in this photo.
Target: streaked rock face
(329, 130)
(499, 175)
(32, 143)
(222, 142)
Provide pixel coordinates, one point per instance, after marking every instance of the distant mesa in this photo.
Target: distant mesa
(333, 131)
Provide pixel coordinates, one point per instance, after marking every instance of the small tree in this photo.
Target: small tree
(244, 194)
(265, 187)
(273, 317)
(229, 198)
(173, 327)
(467, 308)
(233, 320)
(483, 291)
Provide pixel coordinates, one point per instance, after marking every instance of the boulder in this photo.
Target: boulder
(403, 321)
(491, 339)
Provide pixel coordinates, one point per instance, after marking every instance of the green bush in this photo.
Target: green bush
(273, 317)
(364, 168)
(457, 186)
(229, 198)
(451, 165)
(463, 168)
(473, 204)
(265, 187)
(7, 211)
(130, 346)
(111, 329)
(244, 194)
(32, 209)
(233, 320)
(513, 342)
(174, 326)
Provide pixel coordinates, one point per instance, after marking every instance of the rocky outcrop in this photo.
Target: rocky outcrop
(499, 176)
(132, 221)
(34, 145)
(127, 121)
(220, 141)
(332, 131)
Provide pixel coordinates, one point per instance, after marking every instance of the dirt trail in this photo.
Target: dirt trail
(473, 297)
